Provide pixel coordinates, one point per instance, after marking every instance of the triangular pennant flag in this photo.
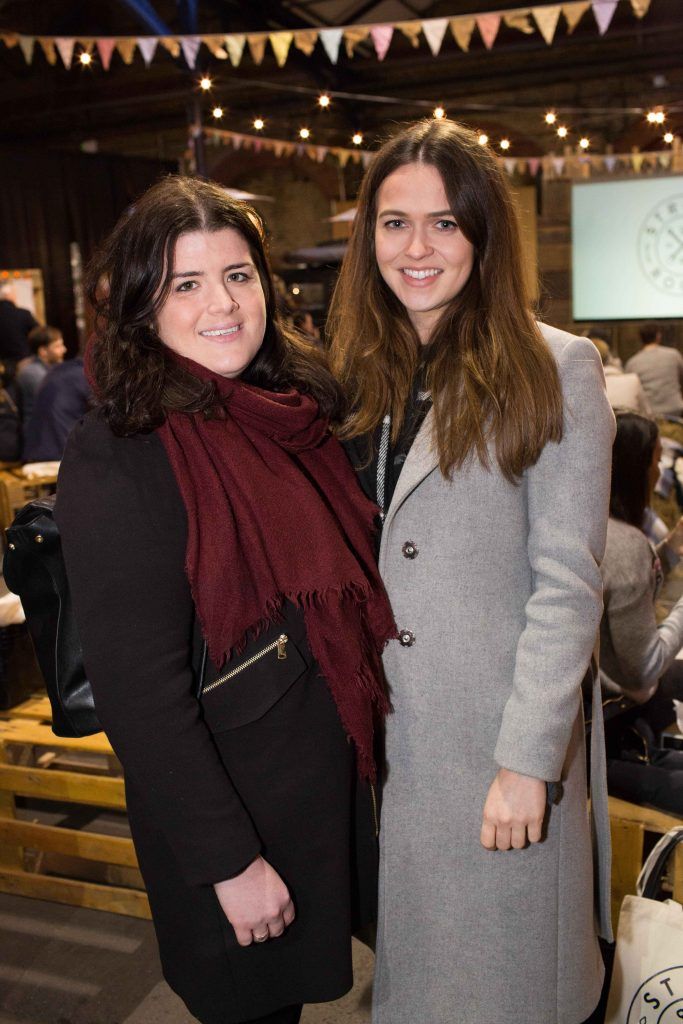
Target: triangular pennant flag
(637, 161)
(411, 30)
(126, 47)
(65, 48)
(48, 46)
(604, 12)
(610, 162)
(509, 166)
(558, 164)
(305, 40)
(521, 166)
(547, 19)
(353, 36)
(234, 44)
(664, 159)
(366, 158)
(105, 49)
(534, 163)
(574, 12)
(343, 157)
(281, 42)
(278, 148)
(462, 29)
(213, 45)
(27, 43)
(640, 7)
(171, 44)
(381, 36)
(257, 46)
(488, 25)
(190, 47)
(147, 46)
(331, 39)
(519, 20)
(237, 140)
(10, 39)
(434, 30)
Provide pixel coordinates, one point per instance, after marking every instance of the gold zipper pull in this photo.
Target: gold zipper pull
(282, 647)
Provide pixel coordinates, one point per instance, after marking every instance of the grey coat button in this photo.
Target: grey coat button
(406, 638)
(409, 549)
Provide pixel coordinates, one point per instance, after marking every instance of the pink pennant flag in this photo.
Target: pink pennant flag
(65, 48)
(381, 37)
(147, 46)
(366, 158)
(488, 28)
(331, 39)
(434, 30)
(106, 48)
(604, 12)
(533, 164)
(190, 47)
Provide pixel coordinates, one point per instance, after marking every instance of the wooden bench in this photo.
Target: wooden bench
(628, 825)
(53, 862)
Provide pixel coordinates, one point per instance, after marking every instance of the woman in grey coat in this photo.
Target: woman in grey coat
(489, 444)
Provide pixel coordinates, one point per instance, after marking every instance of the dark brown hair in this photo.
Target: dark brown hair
(648, 333)
(135, 380)
(491, 376)
(42, 336)
(632, 453)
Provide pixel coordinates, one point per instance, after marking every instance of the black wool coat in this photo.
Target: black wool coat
(259, 764)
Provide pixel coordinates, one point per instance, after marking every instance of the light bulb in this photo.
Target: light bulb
(259, 124)
(563, 132)
(669, 137)
(304, 133)
(584, 142)
(439, 113)
(85, 58)
(483, 139)
(324, 100)
(550, 117)
(205, 83)
(217, 112)
(357, 139)
(504, 143)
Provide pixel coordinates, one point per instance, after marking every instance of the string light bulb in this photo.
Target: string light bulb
(259, 124)
(304, 133)
(550, 117)
(669, 137)
(656, 117)
(505, 144)
(217, 112)
(439, 113)
(296, 290)
(563, 131)
(584, 142)
(483, 139)
(357, 139)
(324, 101)
(85, 58)
(205, 83)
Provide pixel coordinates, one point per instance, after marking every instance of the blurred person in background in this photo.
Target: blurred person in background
(624, 390)
(661, 372)
(15, 325)
(61, 400)
(47, 350)
(304, 323)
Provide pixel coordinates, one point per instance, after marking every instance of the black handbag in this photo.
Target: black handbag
(34, 569)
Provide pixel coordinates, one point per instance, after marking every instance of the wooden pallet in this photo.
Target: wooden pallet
(35, 857)
(628, 824)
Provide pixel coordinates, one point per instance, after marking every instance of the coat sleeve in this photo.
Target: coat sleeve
(123, 532)
(568, 498)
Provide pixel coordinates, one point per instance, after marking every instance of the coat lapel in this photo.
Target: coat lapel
(421, 460)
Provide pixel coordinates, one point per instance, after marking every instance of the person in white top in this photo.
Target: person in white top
(624, 390)
(661, 372)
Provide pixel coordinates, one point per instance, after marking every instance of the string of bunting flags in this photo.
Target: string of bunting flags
(232, 46)
(568, 165)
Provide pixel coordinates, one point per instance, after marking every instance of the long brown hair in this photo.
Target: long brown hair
(491, 376)
(129, 279)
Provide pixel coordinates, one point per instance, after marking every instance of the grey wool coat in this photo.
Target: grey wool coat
(504, 600)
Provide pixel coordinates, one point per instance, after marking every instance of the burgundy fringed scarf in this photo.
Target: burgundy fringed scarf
(275, 513)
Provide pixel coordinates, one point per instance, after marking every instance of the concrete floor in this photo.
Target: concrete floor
(68, 965)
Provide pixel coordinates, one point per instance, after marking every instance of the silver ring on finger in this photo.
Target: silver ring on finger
(261, 938)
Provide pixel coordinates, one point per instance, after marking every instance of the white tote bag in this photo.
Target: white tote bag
(647, 981)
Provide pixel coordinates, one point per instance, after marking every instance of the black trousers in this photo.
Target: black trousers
(288, 1015)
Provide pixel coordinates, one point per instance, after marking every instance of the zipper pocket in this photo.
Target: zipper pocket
(279, 645)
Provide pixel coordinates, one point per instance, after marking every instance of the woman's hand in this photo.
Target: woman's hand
(256, 903)
(513, 812)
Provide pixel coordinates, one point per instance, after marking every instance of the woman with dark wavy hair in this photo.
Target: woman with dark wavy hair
(220, 556)
(485, 438)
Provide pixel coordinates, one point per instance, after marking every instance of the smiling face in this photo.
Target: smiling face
(215, 312)
(421, 252)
